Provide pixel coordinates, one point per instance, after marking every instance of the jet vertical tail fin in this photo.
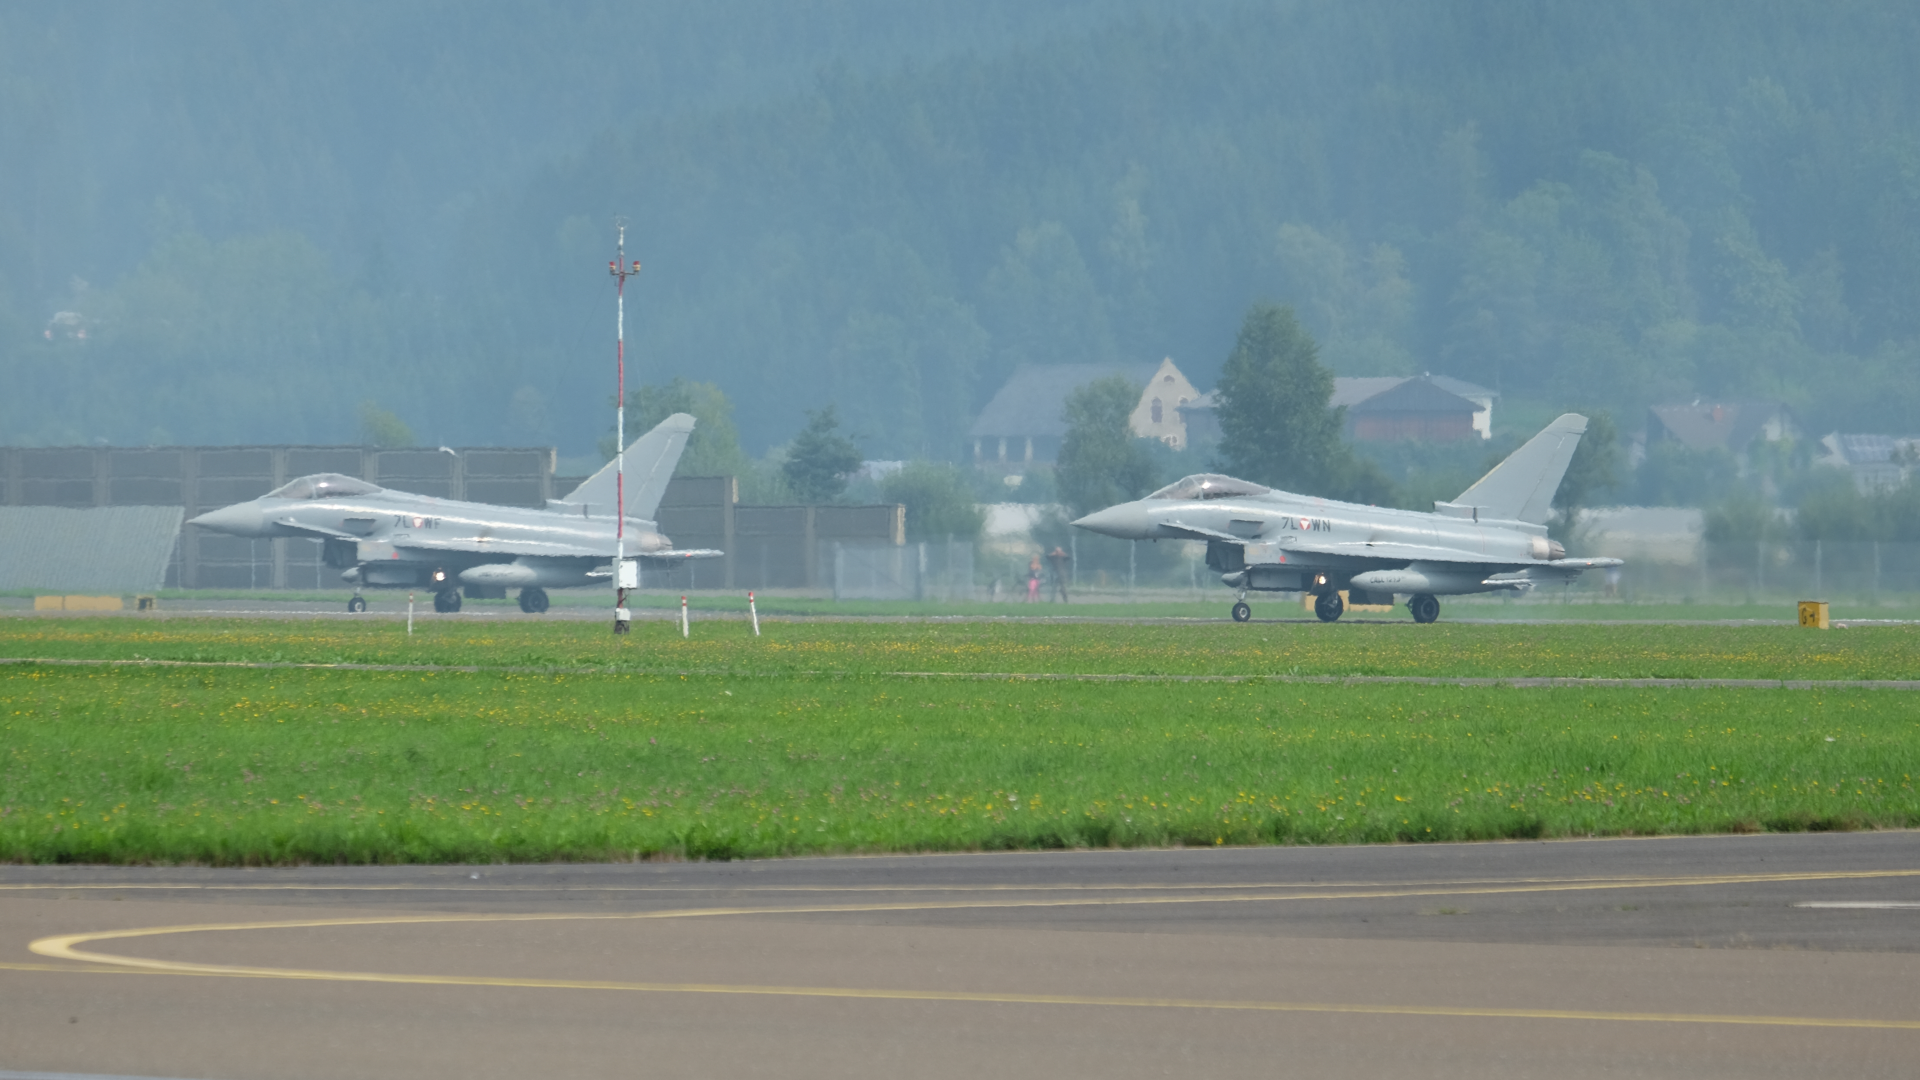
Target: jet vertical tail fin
(650, 464)
(1522, 487)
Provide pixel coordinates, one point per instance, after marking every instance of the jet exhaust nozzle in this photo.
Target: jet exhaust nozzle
(1542, 548)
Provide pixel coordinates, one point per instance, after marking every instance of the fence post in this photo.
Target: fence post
(1073, 560)
(1876, 573)
(920, 571)
(839, 568)
(1132, 546)
(1818, 592)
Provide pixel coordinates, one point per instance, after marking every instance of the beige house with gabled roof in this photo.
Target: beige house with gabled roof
(1158, 414)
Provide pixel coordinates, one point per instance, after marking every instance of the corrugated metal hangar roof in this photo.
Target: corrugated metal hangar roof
(104, 549)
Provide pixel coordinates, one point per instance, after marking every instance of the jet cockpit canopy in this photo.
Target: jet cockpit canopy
(1208, 486)
(324, 485)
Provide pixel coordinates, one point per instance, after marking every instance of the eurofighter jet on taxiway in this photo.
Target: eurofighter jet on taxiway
(393, 539)
(1492, 538)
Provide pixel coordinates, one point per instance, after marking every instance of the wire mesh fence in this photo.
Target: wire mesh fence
(925, 570)
(1863, 570)
(1871, 572)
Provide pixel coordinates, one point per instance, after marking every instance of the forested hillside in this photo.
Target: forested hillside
(887, 208)
(256, 205)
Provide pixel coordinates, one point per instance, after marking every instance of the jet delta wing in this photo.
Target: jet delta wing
(1492, 538)
(393, 539)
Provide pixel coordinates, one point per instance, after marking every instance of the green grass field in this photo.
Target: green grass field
(788, 648)
(797, 743)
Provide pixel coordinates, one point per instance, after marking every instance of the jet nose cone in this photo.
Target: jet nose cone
(240, 519)
(1126, 521)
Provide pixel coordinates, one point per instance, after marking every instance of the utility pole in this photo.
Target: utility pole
(624, 578)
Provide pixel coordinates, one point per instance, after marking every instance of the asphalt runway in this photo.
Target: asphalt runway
(1752, 956)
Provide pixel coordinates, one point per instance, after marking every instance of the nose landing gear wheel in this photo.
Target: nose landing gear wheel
(1425, 608)
(533, 601)
(1328, 606)
(1241, 612)
(357, 604)
(446, 600)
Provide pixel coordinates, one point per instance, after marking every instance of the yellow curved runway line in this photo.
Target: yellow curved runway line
(67, 947)
(1001, 998)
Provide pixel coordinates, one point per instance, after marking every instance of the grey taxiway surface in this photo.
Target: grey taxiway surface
(1746, 956)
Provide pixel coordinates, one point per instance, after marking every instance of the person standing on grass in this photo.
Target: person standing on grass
(1059, 561)
(1033, 581)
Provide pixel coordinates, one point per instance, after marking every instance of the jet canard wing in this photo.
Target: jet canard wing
(317, 531)
(1197, 533)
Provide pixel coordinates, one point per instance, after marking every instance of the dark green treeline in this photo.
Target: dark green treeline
(1584, 206)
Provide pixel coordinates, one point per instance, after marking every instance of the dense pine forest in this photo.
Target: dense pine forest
(228, 222)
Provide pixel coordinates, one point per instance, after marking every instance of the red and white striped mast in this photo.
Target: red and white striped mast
(620, 270)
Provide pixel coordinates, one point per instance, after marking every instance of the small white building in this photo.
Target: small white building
(1024, 424)
(1877, 462)
(1359, 393)
(1158, 415)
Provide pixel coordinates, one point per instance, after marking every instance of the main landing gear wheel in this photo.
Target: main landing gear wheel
(357, 604)
(1328, 606)
(1424, 607)
(1241, 612)
(446, 600)
(533, 601)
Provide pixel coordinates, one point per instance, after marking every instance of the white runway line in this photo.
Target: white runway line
(5, 1075)
(1839, 905)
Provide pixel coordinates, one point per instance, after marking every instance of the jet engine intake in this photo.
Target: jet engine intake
(1226, 558)
(340, 554)
(1274, 578)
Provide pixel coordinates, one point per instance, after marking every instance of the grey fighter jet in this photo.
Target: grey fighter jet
(1492, 538)
(396, 540)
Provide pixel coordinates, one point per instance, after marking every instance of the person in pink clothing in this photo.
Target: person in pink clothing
(1033, 581)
